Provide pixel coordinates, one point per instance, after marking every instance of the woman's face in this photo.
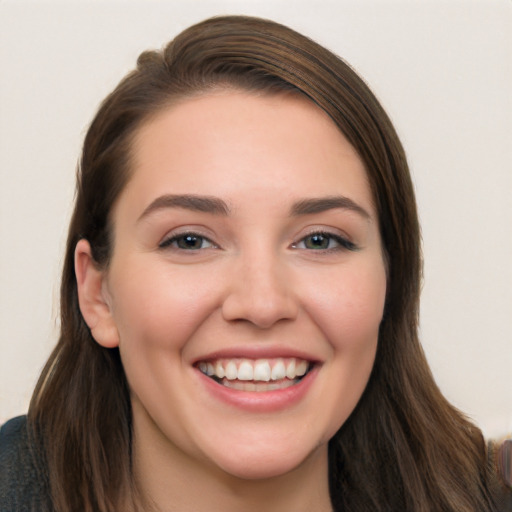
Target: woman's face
(246, 252)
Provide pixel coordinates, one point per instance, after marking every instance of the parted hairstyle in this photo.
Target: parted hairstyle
(404, 447)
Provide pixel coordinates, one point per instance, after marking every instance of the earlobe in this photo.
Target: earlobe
(92, 297)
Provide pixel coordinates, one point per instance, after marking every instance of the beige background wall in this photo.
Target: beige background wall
(443, 69)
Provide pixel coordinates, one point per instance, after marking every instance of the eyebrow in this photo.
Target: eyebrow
(216, 206)
(322, 204)
(206, 204)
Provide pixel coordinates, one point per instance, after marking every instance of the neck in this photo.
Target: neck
(169, 480)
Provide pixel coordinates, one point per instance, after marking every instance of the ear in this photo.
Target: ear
(93, 297)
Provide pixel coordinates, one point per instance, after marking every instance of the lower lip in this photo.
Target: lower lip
(260, 401)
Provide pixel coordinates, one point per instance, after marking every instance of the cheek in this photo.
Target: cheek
(350, 305)
(157, 313)
(349, 314)
(160, 308)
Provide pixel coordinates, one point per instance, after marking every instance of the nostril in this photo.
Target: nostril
(263, 311)
(261, 290)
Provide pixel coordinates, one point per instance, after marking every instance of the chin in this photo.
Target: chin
(262, 464)
(261, 469)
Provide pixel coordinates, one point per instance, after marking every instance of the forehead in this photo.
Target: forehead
(234, 143)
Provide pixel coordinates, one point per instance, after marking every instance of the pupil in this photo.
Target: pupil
(190, 242)
(318, 241)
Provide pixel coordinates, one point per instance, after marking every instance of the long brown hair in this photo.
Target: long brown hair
(404, 447)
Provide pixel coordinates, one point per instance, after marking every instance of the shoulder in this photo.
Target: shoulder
(12, 435)
(20, 487)
(13, 441)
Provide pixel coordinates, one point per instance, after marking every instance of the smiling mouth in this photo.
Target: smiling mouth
(256, 374)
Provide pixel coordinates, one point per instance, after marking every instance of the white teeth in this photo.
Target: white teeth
(231, 371)
(261, 370)
(290, 369)
(245, 371)
(258, 386)
(301, 369)
(278, 371)
(219, 370)
(277, 385)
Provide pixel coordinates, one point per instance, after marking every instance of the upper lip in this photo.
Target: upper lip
(257, 352)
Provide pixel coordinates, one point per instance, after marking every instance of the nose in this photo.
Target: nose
(261, 292)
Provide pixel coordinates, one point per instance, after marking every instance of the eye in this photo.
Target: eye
(325, 242)
(187, 242)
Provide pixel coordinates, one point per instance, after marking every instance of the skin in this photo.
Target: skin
(256, 283)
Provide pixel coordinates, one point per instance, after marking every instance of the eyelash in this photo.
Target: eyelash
(342, 243)
(172, 242)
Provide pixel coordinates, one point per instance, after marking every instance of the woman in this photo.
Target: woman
(239, 302)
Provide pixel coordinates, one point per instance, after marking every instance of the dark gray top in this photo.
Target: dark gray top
(20, 488)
